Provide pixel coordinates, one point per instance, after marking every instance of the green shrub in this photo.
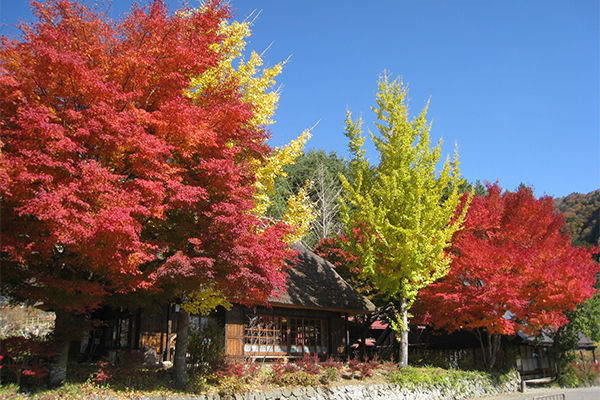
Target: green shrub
(329, 375)
(412, 377)
(296, 378)
(507, 359)
(576, 375)
(466, 361)
(130, 373)
(568, 379)
(430, 358)
(11, 391)
(206, 349)
(197, 383)
(80, 373)
(230, 385)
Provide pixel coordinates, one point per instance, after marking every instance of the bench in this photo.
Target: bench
(524, 382)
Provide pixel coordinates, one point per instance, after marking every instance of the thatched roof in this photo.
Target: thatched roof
(313, 283)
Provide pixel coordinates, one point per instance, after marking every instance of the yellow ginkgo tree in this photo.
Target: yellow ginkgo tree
(400, 214)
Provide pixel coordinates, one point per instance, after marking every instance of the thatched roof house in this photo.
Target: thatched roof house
(310, 316)
(313, 283)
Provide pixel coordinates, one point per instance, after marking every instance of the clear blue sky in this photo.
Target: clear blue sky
(515, 83)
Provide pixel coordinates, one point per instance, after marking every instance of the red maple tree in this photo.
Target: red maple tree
(514, 269)
(112, 180)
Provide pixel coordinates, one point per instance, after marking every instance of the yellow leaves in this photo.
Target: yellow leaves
(397, 325)
(407, 209)
(300, 214)
(255, 86)
(234, 34)
(136, 258)
(206, 300)
(300, 211)
(273, 168)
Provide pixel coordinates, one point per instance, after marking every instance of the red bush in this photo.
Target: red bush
(309, 364)
(332, 362)
(280, 367)
(365, 367)
(239, 369)
(27, 357)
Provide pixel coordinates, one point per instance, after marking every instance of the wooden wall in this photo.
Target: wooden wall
(158, 331)
(235, 319)
(234, 332)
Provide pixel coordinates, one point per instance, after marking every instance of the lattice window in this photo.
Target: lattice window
(265, 334)
(283, 335)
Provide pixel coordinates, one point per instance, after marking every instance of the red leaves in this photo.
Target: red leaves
(514, 269)
(112, 179)
(22, 355)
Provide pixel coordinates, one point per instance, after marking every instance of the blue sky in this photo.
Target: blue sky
(514, 83)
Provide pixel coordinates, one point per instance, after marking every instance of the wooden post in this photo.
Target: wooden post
(166, 350)
(347, 337)
(169, 333)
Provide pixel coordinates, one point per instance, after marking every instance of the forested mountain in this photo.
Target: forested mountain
(582, 215)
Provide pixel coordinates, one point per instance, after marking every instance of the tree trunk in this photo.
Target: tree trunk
(181, 345)
(403, 353)
(493, 347)
(556, 352)
(564, 340)
(58, 369)
(478, 332)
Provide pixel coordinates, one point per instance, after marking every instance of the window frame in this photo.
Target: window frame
(277, 335)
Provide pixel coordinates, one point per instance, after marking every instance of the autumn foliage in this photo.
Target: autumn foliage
(113, 177)
(404, 207)
(514, 269)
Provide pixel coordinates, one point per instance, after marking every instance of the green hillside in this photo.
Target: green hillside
(582, 215)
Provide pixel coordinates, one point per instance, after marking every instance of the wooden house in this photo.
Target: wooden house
(535, 358)
(310, 316)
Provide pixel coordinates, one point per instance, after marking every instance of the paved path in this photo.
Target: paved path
(591, 393)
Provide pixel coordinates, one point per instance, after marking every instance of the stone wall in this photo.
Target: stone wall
(463, 389)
